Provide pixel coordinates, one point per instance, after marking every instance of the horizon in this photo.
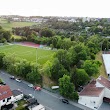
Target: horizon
(60, 8)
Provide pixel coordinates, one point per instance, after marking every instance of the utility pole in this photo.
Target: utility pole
(36, 56)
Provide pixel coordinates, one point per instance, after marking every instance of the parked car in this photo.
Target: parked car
(31, 85)
(31, 95)
(64, 100)
(26, 97)
(38, 88)
(18, 80)
(12, 77)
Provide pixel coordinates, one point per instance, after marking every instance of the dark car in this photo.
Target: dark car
(64, 100)
(12, 77)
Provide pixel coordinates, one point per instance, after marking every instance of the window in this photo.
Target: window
(8, 99)
(4, 100)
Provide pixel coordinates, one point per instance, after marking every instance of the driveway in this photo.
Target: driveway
(105, 106)
(49, 100)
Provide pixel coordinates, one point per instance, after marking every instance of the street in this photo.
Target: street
(49, 100)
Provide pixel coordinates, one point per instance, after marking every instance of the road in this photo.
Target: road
(49, 100)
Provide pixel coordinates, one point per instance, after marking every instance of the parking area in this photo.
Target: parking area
(105, 106)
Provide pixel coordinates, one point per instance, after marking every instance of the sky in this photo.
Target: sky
(73, 8)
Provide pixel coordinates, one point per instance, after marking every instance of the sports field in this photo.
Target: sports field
(8, 26)
(29, 53)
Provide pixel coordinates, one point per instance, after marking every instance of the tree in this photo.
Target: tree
(105, 44)
(91, 66)
(93, 44)
(46, 68)
(34, 76)
(46, 32)
(78, 52)
(2, 55)
(66, 87)
(64, 58)
(57, 70)
(23, 67)
(81, 77)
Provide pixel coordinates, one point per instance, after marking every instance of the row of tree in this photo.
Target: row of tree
(21, 68)
(4, 35)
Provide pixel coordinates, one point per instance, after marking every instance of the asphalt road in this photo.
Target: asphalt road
(49, 100)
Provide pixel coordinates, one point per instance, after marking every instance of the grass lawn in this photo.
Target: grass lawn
(8, 26)
(28, 53)
(102, 68)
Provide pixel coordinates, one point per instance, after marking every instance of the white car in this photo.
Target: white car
(30, 85)
(31, 95)
(18, 80)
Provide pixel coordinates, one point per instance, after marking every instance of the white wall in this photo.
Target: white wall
(10, 101)
(107, 93)
(91, 102)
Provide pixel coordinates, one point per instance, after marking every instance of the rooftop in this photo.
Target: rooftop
(16, 92)
(106, 59)
(91, 90)
(5, 92)
(105, 82)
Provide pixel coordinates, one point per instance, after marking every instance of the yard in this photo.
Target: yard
(29, 53)
(8, 26)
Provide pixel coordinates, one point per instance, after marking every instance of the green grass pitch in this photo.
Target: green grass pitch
(29, 53)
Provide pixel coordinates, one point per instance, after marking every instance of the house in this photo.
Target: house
(95, 93)
(6, 96)
(103, 82)
(18, 95)
(91, 96)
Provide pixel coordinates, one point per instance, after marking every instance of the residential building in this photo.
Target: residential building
(103, 82)
(6, 96)
(18, 95)
(95, 92)
(91, 96)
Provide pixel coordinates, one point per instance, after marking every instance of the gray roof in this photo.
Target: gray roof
(16, 92)
(106, 59)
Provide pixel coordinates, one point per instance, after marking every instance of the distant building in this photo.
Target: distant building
(84, 19)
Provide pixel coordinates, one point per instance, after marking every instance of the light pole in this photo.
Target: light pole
(36, 56)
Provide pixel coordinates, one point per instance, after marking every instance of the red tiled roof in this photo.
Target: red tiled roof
(5, 92)
(91, 90)
(105, 82)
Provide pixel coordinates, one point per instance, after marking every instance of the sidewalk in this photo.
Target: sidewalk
(79, 105)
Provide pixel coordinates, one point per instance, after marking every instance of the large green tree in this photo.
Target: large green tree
(57, 70)
(34, 76)
(1, 59)
(91, 66)
(67, 88)
(64, 58)
(81, 77)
